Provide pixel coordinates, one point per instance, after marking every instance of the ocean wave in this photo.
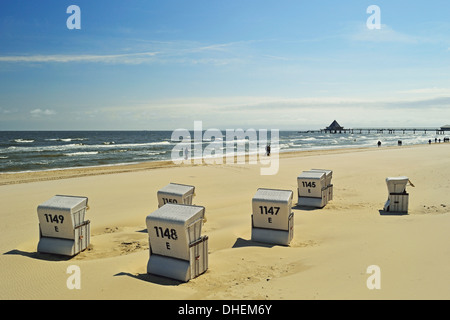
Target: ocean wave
(76, 146)
(131, 145)
(23, 140)
(70, 149)
(283, 146)
(145, 153)
(159, 143)
(238, 141)
(209, 141)
(308, 139)
(67, 139)
(42, 149)
(74, 154)
(154, 153)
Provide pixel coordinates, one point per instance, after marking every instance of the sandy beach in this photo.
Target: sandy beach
(327, 259)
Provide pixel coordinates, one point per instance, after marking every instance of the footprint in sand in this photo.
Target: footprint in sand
(115, 241)
(303, 244)
(435, 209)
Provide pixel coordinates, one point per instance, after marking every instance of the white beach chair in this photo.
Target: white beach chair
(62, 227)
(272, 218)
(175, 193)
(312, 189)
(398, 199)
(177, 249)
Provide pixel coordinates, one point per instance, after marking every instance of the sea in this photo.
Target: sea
(23, 151)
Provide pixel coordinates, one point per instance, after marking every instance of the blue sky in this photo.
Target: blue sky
(161, 65)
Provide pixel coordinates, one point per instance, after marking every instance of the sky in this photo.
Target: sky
(284, 64)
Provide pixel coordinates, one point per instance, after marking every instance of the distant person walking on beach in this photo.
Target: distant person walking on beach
(186, 153)
(379, 143)
(268, 150)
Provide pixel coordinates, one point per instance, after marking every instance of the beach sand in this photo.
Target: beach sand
(327, 258)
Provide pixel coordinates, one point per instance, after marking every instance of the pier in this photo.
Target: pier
(335, 127)
(438, 131)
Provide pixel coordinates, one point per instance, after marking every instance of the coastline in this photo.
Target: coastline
(327, 259)
(7, 178)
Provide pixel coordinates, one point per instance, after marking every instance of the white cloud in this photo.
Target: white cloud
(6, 111)
(282, 113)
(181, 52)
(433, 90)
(385, 34)
(40, 112)
(130, 58)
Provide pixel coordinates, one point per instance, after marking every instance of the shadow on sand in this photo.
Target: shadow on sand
(151, 278)
(305, 208)
(388, 213)
(38, 255)
(242, 243)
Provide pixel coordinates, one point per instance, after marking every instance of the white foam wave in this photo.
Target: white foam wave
(73, 154)
(67, 139)
(84, 146)
(308, 139)
(23, 140)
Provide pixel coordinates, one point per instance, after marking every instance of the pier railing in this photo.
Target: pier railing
(379, 130)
